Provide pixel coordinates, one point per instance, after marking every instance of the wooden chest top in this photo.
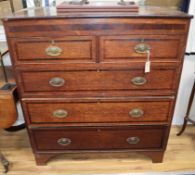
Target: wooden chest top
(51, 12)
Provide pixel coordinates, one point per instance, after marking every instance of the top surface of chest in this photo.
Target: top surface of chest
(47, 22)
(52, 12)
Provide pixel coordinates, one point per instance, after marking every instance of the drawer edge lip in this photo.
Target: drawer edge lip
(94, 125)
(101, 126)
(120, 99)
(141, 16)
(99, 95)
(101, 151)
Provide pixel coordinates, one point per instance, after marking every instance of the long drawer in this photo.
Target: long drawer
(103, 80)
(63, 112)
(101, 138)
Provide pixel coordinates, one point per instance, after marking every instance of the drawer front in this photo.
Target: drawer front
(99, 138)
(128, 48)
(95, 26)
(59, 81)
(52, 112)
(47, 49)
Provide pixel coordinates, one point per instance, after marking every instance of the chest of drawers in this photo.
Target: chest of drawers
(81, 78)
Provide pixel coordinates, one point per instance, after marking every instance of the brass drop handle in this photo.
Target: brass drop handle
(60, 113)
(133, 140)
(64, 141)
(142, 48)
(139, 81)
(57, 82)
(53, 51)
(136, 113)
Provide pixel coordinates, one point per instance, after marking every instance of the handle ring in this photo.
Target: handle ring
(53, 51)
(60, 113)
(133, 140)
(57, 82)
(139, 81)
(64, 141)
(142, 48)
(136, 113)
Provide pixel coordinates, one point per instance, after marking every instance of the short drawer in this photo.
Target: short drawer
(103, 80)
(99, 138)
(130, 48)
(142, 110)
(70, 49)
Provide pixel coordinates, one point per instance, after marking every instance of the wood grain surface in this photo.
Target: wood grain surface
(102, 41)
(163, 79)
(17, 149)
(73, 48)
(94, 111)
(99, 138)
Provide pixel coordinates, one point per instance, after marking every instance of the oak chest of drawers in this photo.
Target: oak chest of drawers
(82, 82)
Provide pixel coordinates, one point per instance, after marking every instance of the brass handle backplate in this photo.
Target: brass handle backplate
(139, 81)
(64, 141)
(142, 48)
(133, 140)
(136, 113)
(53, 51)
(60, 113)
(57, 82)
